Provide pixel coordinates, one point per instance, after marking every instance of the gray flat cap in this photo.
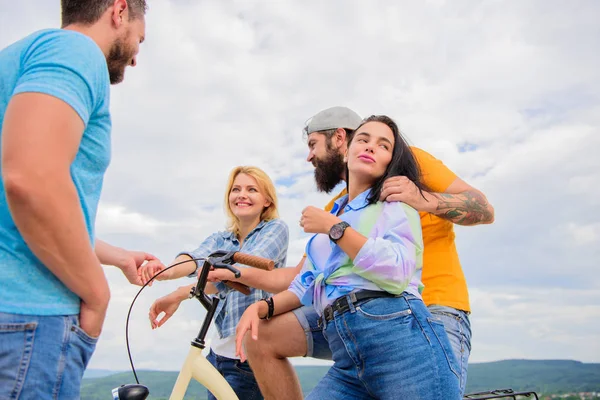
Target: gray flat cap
(333, 118)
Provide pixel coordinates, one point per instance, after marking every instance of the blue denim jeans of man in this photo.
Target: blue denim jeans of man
(239, 376)
(388, 348)
(456, 324)
(42, 357)
(458, 329)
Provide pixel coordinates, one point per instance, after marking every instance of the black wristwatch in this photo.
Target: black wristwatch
(337, 231)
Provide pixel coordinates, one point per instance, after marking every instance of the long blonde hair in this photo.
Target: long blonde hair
(267, 189)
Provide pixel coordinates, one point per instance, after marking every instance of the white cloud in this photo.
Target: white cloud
(219, 84)
(584, 235)
(534, 323)
(112, 219)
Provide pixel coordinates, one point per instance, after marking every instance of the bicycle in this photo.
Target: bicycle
(499, 394)
(196, 366)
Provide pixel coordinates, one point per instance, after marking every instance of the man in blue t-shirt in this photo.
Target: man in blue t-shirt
(55, 149)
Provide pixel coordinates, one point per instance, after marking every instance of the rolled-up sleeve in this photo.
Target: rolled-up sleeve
(389, 258)
(303, 284)
(209, 245)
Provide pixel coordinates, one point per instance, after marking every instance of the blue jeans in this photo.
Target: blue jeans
(42, 357)
(388, 348)
(456, 324)
(239, 376)
(458, 329)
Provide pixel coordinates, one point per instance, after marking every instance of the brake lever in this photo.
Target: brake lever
(235, 271)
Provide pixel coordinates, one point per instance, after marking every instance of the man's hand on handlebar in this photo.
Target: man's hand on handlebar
(219, 275)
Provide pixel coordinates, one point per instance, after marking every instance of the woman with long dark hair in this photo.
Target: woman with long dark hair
(362, 275)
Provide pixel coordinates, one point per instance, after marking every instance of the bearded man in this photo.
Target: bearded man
(56, 147)
(448, 200)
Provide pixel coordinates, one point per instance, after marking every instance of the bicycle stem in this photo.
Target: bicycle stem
(209, 303)
(199, 340)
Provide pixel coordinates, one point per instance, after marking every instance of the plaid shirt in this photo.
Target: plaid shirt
(269, 240)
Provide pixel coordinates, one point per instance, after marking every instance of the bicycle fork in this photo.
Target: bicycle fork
(196, 365)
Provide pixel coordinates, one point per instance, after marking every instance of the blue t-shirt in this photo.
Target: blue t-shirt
(70, 66)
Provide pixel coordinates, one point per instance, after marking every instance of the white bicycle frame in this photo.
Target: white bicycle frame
(198, 367)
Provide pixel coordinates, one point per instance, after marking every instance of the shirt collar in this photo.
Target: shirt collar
(359, 202)
(230, 235)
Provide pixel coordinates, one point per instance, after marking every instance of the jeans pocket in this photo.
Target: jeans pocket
(384, 309)
(437, 327)
(82, 346)
(16, 347)
(83, 335)
(243, 368)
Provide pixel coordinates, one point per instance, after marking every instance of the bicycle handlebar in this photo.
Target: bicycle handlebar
(240, 287)
(218, 259)
(246, 259)
(236, 272)
(254, 261)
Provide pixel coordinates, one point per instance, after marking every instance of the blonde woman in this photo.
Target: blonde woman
(254, 228)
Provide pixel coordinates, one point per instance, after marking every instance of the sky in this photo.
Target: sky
(507, 94)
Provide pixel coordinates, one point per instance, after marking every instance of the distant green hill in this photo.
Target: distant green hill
(160, 383)
(544, 376)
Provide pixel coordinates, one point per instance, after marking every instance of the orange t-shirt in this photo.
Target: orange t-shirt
(442, 274)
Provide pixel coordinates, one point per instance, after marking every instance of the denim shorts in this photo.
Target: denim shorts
(42, 357)
(316, 344)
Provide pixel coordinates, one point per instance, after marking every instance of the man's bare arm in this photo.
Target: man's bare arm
(460, 203)
(274, 281)
(109, 254)
(128, 261)
(40, 139)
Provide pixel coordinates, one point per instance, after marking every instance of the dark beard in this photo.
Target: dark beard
(329, 172)
(118, 59)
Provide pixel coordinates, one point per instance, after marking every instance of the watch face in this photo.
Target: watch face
(336, 232)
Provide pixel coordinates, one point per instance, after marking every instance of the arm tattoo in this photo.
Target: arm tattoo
(466, 208)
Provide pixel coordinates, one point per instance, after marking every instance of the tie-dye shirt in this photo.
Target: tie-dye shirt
(390, 260)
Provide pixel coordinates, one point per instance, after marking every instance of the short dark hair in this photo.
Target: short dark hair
(330, 132)
(87, 12)
(403, 161)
